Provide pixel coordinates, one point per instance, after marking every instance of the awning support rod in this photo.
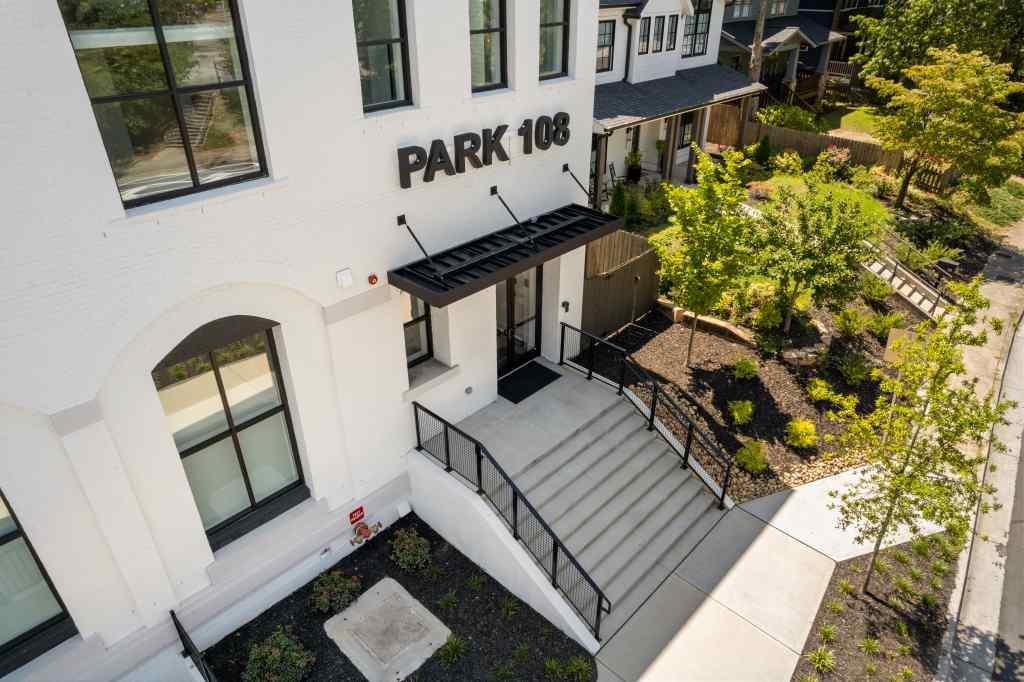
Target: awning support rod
(529, 237)
(402, 221)
(566, 169)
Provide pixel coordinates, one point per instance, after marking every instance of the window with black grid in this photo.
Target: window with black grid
(605, 45)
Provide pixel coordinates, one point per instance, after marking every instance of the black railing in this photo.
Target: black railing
(601, 359)
(192, 652)
(465, 456)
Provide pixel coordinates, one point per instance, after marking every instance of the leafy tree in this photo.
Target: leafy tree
(812, 242)
(705, 249)
(953, 113)
(921, 439)
(788, 116)
(889, 45)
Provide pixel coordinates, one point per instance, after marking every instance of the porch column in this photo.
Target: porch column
(791, 68)
(671, 139)
(602, 163)
(826, 55)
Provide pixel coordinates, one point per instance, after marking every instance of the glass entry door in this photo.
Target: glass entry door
(518, 315)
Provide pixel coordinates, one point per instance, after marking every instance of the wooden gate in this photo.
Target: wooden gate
(724, 125)
(620, 282)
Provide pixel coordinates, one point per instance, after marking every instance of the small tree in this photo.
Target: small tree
(705, 249)
(953, 113)
(812, 242)
(922, 438)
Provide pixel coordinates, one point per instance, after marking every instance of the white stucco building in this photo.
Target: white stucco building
(204, 368)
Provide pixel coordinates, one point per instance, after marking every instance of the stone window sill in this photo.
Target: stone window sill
(426, 376)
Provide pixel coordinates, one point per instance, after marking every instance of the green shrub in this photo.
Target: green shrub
(787, 163)
(833, 165)
(552, 669)
(334, 591)
(819, 390)
(929, 601)
(280, 657)
(905, 673)
(870, 646)
(915, 574)
(617, 205)
(763, 152)
(920, 546)
(577, 669)
(475, 582)
(845, 586)
(801, 433)
(787, 116)
(874, 289)
(409, 550)
(939, 568)
(751, 457)
(827, 634)
(744, 369)
(851, 322)
(823, 660)
(854, 368)
(882, 567)
(448, 601)
(741, 411)
(769, 344)
(451, 651)
(935, 584)
(883, 323)
(835, 607)
(870, 669)
(767, 317)
(902, 629)
(901, 557)
(509, 606)
(903, 585)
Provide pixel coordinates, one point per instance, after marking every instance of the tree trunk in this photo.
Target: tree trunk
(905, 184)
(689, 345)
(757, 48)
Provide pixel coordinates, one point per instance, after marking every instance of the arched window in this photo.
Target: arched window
(225, 403)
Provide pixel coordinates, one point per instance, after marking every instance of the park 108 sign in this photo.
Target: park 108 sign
(479, 149)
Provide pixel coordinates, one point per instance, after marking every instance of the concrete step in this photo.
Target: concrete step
(617, 445)
(582, 439)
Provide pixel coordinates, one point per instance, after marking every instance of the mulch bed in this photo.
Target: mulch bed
(778, 393)
(912, 654)
(499, 645)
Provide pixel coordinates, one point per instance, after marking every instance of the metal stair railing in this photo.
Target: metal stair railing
(191, 651)
(465, 456)
(582, 351)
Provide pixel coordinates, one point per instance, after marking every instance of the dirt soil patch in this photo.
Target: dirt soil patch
(505, 638)
(778, 393)
(895, 631)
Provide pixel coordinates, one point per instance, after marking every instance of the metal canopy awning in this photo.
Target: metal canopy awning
(463, 270)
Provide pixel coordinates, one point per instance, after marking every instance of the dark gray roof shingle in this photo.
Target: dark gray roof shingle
(621, 104)
(777, 31)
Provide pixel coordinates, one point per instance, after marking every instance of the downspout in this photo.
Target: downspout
(629, 45)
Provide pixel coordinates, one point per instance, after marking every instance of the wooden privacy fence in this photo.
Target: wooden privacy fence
(620, 282)
(724, 125)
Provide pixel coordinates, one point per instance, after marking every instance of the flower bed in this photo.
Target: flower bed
(895, 631)
(501, 637)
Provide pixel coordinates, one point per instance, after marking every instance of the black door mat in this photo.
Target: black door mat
(525, 381)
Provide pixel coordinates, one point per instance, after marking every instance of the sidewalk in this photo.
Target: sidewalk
(740, 606)
(971, 644)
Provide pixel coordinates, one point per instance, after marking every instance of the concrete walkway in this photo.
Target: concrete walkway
(976, 615)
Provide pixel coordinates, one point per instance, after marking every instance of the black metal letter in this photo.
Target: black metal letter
(410, 159)
(439, 160)
(492, 144)
(464, 152)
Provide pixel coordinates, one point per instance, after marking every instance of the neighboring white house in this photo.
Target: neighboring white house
(206, 372)
(657, 77)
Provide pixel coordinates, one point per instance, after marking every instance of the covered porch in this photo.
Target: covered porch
(644, 132)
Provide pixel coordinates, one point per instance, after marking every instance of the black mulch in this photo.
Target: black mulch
(491, 636)
(878, 614)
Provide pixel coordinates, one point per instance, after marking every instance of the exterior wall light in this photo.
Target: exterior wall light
(373, 279)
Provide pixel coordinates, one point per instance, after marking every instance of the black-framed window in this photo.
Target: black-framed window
(673, 29)
(742, 9)
(33, 618)
(225, 403)
(605, 46)
(555, 17)
(686, 129)
(695, 30)
(170, 87)
(645, 36)
(487, 44)
(659, 34)
(383, 46)
(419, 335)
(777, 7)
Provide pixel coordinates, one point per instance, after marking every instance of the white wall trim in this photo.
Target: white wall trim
(77, 417)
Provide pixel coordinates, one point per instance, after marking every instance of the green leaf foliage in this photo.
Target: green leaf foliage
(741, 411)
(801, 433)
(744, 369)
(410, 550)
(787, 116)
(751, 457)
(334, 591)
(280, 657)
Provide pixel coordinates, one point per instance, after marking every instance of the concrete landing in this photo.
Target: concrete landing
(386, 633)
(739, 607)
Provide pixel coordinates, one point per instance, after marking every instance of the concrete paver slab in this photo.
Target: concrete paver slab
(803, 513)
(680, 634)
(762, 574)
(386, 633)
